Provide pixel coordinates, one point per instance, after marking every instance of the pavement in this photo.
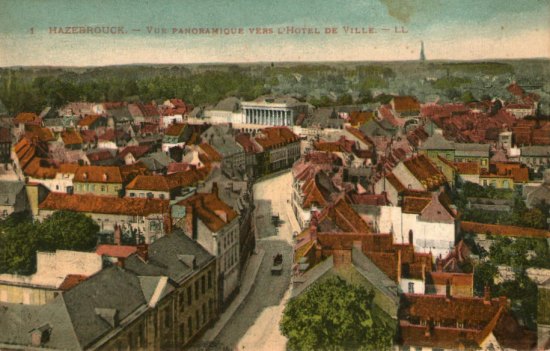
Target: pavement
(247, 282)
(254, 323)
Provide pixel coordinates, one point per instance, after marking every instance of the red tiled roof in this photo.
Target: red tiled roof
(71, 137)
(118, 251)
(26, 118)
(98, 174)
(503, 230)
(175, 129)
(208, 207)
(405, 103)
(341, 217)
(71, 281)
(40, 133)
(467, 167)
(137, 151)
(359, 135)
(517, 172)
(88, 120)
(104, 204)
(359, 117)
(412, 204)
(392, 179)
(425, 171)
(273, 137)
(100, 155)
(244, 140)
(211, 153)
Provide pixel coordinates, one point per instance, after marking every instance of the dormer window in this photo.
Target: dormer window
(105, 177)
(85, 176)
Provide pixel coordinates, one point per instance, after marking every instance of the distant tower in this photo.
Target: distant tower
(422, 55)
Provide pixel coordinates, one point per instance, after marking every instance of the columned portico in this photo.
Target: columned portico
(268, 116)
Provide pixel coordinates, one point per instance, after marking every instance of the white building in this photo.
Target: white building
(274, 111)
(431, 224)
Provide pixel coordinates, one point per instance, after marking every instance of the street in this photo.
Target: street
(255, 325)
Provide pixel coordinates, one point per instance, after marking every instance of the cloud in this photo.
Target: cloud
(401, 10)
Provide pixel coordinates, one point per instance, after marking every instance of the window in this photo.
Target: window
(182, 332)
(103, 188)
(189, 295)
(181, 301)
(204, 313)
(210, 306)
(203, 284)
(190, 326)
(197, 318)
(411, 288)
(132, 194)
(196, 289)
(209, 279)
(167, 317)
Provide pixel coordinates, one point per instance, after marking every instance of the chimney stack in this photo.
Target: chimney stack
(215, 188)
(487, 295)
(143, 251)
(117, 235)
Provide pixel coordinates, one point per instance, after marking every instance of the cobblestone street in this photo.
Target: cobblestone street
(255, 325)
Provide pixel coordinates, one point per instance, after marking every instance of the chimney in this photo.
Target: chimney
(313, 225)
(40, 335)
(411, 237)
(143, 251)
(191, 222)
(487, 295)
(215, 188)
(439, 264)
(117, 236)
(398, 266)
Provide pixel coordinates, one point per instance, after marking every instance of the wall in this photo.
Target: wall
(418, 286)
(111, 189)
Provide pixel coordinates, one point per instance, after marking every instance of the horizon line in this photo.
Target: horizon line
(487, 60)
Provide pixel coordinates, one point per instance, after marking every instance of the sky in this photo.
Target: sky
(34, 32)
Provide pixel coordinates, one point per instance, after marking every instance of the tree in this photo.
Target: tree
(20, 238)
(334, 315)
(67, 230)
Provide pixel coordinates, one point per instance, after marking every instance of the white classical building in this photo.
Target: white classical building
(274, 111)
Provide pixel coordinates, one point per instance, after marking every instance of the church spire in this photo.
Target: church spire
(422, 55)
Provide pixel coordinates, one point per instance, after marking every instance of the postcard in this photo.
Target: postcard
(275, 175)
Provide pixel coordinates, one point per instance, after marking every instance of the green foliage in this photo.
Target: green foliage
(519, 254)
(20, 238)
(450, 82)
(334, 315)
(66, 230)
(467, 97)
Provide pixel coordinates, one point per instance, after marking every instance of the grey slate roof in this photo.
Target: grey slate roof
(165, 257)
(325, 117)
(535, 150)
(221, 138)
(232, 104)
(112, 288)
(9, 191)
(477, 150)
(378, 128)
(437, 142)
(72, 316)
